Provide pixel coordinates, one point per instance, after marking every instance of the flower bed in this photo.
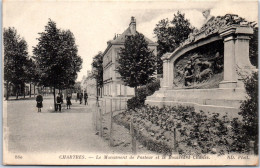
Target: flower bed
(196, 132)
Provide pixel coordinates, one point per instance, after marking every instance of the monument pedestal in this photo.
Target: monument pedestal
(221, 100)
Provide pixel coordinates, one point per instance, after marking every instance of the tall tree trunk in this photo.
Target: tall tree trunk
(24, 90)
(34, 90)
(7, 90)
(17, 90)
(135, 90)
(97, 90)
(30, 90)
(54, 99)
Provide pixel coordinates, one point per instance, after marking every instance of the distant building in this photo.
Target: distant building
(83, 84)
(91, 84)
(113, 85)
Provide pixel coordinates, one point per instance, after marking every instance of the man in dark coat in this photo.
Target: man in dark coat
(58, 102)
(77, 96)
(39, 101)
(86, 98)
(68, 101)
(80, 98)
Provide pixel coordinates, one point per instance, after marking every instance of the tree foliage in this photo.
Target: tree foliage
(56, 57)
(137, 63)
(97, 65)
(249, 109)
(15, 58)
(253, 47)
(170, 34)
(30, 71)
(139, 99)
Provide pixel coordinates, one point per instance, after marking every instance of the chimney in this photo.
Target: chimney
(132, 25)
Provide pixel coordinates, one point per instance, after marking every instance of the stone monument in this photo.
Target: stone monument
(207, 69)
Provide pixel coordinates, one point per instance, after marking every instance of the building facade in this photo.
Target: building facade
(113, 85)
(91, 85)
(83, 84)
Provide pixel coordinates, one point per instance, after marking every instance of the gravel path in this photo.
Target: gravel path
(69, 131)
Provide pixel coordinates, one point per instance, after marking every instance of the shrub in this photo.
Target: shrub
(142, 92)
(152, 87)
(133, 103)
(196, 132)
(249, 111)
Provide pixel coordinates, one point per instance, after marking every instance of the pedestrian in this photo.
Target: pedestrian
(77, 96)
(68, 98)
(86, 98)
(80, 98)
(58, 102)
(39, 101)
(61, 96)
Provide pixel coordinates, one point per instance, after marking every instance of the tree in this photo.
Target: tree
(57, 59)
(97, 65)
(170, 34)
(31, 73)
(253, 46)
(71, 61)
(249, 110)
(15, 56)
(137, 63)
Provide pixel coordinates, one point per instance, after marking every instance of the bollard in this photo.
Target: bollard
(120, 103)
(111, 103)
(125, 103)
(174, 140)
(96, 118)
(111, 125)
(111, 129)
(105, 106)
(100, 120)
(133, 136)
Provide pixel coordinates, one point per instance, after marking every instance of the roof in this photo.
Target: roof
(121, 40)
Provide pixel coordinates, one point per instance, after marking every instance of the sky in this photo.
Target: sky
(93, 23)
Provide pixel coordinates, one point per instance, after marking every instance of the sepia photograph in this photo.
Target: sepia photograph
(118, 82)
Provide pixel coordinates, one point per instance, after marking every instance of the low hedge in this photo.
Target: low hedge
(196, 132)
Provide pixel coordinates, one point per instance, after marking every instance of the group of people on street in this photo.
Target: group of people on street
(80, 96)
(59, 100)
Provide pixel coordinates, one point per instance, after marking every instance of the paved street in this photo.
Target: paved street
(68, 131)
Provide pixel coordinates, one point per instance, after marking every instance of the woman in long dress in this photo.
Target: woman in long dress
(39, 101)
(68, 98)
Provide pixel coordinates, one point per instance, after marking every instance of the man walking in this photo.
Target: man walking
(68, 101)
(77, 96)
(86, 98)
(58, 102)
(80, 98)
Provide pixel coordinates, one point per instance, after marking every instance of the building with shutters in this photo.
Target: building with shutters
(113, 85)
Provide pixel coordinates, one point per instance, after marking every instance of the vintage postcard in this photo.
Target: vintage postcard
(130, 82)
